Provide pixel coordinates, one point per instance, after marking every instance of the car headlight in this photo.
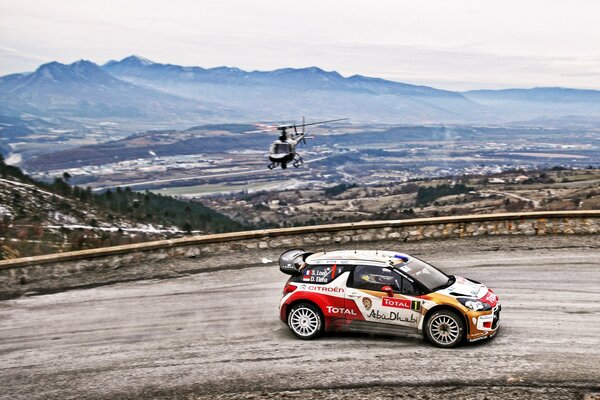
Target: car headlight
(474, 304)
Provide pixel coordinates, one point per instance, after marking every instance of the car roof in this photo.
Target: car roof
(365, 257)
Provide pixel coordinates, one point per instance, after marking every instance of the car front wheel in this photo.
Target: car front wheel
(305, 321)
(445, 328)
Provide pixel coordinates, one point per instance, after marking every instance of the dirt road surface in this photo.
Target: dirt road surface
(216, 335)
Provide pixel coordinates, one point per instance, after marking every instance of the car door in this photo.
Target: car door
(365, 290)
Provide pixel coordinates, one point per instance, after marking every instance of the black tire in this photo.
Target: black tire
(445, 328)
(305, 321)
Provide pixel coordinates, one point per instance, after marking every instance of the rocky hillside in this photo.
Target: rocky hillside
(39, 218)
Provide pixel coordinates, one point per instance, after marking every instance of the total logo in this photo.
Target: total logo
(401, 303)
(398, 303)
(340, 310)
(491, 297)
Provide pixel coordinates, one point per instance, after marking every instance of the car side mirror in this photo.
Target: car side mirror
(388, 290)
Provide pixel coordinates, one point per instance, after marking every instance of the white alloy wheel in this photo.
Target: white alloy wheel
(445, 329)
(305, 321)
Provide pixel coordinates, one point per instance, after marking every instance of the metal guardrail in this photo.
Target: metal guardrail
(269, 233)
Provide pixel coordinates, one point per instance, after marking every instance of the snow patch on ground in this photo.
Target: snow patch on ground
(4, 211)
(14, 159)
(59, 217)
(142, 229)
(32, 187)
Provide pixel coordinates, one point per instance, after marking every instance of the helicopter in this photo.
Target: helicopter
(283, 150)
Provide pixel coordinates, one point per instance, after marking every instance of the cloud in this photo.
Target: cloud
(14, 60)
(463, 44)
(464, 67)
(10, 52)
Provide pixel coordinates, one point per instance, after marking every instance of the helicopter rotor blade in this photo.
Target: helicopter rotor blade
(324, 122)
(273, 128)
(312, 123)
(262, 131)
(264, 128)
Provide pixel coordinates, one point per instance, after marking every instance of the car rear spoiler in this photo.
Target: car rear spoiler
(290, 261)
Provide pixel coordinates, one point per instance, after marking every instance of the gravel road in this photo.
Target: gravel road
(216, 335)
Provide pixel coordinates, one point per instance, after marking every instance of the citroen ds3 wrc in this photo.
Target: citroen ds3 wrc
(383, 292)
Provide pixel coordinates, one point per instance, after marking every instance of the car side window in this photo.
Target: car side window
(375, 278)
(406, 287)
(320, 273)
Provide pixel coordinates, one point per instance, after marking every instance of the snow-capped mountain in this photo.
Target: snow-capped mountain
(137, 89)
(83, 90)
(289, 92)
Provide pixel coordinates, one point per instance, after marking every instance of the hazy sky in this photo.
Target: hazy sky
(452, 44)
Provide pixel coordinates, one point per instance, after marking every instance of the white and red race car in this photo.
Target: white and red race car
(383, 292)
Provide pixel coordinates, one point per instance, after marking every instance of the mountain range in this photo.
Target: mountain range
(84, 90)
(135, 88)
(288, 93)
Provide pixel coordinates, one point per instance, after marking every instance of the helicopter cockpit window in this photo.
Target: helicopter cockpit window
(282, 148)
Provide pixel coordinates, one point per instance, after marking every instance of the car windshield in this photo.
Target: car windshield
(426, 274)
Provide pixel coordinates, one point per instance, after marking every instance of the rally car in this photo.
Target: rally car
(383, 292)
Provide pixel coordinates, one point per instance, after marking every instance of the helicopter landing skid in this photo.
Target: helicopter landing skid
(298, 161)
(272, 165)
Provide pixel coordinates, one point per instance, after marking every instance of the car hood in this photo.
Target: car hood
(463, 287)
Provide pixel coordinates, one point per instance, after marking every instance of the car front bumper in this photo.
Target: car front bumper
(483, 325)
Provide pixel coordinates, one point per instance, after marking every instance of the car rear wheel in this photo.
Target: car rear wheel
(305, 321)
(445, 328)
